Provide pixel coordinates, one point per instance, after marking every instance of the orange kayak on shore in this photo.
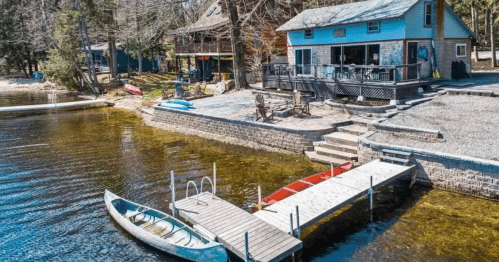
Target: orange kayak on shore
(132, 89)
(300, 185)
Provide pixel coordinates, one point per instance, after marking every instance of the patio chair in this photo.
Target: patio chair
(260, 101)
(265, 113)
(300, 107)
(328, 71)
(166, 94)
(179, 90)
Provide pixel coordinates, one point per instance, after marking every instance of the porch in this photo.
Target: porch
(395, 82)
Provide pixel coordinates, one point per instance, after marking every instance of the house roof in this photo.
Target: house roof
(211, 19)
(349, 14)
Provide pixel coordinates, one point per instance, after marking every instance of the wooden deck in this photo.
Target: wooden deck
(327, 197)
(9, 109)
(229, 224)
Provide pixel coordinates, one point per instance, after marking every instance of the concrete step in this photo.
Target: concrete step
(324, 159)
(336, 154)
(353, 129)
(342, 138)
(338, 147)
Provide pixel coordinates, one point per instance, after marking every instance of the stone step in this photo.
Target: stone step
(324, 159)
(353, 129)
(342, 139)
(336, 154)
(338, 147)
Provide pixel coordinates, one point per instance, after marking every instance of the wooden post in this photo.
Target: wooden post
(298, 230)
(291, 223)
(259, 195)
(214, 178)
(246, 245)
(174, 210)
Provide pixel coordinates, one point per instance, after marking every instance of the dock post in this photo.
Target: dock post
(214, 178)
(291, 224)
(298, 229)
(259, 195)
(332, 167)
(174, 210)
(246, 244)
(371, 192)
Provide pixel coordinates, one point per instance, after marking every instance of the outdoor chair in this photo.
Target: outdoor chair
(166, 94)
(300, 107)
(262, 110)
(265, 113)
(179, 91)
(260, 101)
(328, 71)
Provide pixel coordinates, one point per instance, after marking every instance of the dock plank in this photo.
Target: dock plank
(318, 201)
(229, 223)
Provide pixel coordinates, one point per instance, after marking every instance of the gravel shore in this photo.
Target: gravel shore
(469, 124)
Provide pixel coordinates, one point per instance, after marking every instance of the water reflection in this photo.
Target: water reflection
(54, 169)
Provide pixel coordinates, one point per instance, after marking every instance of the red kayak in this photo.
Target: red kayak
(132, 89)
(300, 185)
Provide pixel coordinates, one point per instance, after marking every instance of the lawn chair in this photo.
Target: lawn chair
(300, 107)
(166, 94)
(260, 101)
(179, 91)
(265, 113)
(328, 71)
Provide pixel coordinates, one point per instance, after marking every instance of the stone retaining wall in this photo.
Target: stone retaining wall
(466, 175)
(288, 139)
(426, 135)
(358, 109)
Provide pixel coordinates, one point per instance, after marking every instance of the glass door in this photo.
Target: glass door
(303, 59)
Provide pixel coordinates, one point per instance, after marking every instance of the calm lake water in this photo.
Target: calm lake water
(30, 98)
(54, 169)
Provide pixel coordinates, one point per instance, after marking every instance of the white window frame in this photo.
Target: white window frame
(311, 34)
(373, 31)
(465, 50)
(425, 6)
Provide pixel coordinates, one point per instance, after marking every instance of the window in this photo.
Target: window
(427, 14)
(339, 32)
(309, 33)
(373, 27)
(461, 50)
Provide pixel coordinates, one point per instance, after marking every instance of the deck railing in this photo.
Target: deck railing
(348, 73)
(206, 47)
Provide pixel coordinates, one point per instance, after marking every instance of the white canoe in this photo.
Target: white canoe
(162, 231)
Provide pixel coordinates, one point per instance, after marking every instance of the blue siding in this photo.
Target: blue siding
(415, 23)
(454, 28)
(355, 33)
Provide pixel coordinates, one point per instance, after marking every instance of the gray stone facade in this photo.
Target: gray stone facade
(466, 175)
(392, 53)
(287, 139)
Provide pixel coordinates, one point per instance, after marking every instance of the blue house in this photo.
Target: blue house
(124, 60)
(363, 35)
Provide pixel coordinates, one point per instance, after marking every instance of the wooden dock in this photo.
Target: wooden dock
(230, 223)
(321, 200)
(13, 109)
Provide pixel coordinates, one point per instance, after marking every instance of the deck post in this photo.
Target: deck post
(246, 244)
(298, 229)
(215, 178)
(174, 210)
(291, 224)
